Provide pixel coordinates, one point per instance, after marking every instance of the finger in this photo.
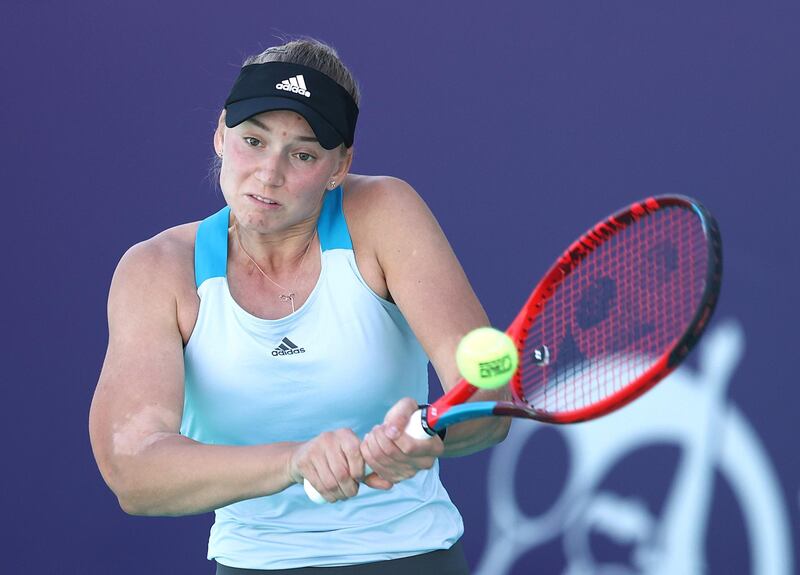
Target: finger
(351, 449)
(374, 457)
(431, 447)
(369, 453)
(306, 468)
(323, 481)
(377, 482)
(346, 486)
(397, 464)
(400, 413)
(386, 439)
(408, 455)
(350, 473)
(328, 466)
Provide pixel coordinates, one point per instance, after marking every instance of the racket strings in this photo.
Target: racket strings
(618, 311)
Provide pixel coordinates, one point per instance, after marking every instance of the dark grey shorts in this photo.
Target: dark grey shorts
(443, 562)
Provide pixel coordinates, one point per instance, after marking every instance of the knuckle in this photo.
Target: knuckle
(341, 472)
(351, 489)
(352, 444)
(385, 459)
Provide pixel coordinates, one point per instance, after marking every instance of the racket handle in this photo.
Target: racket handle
(414, 428)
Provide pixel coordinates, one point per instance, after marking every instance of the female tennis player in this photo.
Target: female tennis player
(287, 337)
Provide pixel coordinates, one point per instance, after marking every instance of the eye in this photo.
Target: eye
(251, 141)
(304, 156)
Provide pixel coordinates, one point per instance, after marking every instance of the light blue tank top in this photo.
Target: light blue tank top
(341, 360)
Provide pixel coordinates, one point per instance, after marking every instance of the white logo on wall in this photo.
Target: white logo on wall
(690, 411)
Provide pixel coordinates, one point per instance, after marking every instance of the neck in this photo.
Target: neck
(278, 256)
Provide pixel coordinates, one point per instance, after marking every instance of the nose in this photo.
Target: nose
(270, 171)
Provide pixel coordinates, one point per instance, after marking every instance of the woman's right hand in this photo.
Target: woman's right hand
(333, 464)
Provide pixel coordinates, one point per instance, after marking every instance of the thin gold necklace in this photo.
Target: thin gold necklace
(289, 295)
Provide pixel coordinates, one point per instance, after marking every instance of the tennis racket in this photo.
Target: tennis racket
(616, 313)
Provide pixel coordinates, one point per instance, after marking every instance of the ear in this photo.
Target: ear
(344, 166)
(219, 134)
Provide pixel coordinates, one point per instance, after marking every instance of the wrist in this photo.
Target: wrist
(292, 473)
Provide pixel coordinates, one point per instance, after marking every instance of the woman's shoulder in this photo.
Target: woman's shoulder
(369, 189)
(166, 258)
(374, 201)
(381, 204)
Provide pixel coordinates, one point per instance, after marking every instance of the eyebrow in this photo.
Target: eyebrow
(267, 129)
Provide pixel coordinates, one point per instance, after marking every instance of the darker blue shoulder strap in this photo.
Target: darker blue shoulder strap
(211, 247)
(332, 227)
(211, 243)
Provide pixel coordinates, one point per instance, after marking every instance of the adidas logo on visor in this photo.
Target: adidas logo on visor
(295, 84)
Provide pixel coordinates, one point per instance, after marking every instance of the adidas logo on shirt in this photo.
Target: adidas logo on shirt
(295, 84)
(287, 347)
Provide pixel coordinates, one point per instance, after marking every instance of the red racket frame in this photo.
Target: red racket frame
(548, 286)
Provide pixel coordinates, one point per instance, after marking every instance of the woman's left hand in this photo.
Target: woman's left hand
(392, 454)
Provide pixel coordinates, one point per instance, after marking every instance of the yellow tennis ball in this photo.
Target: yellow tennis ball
(487, 358)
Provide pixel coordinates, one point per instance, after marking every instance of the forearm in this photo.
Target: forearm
(475, 435)
(175, 475)
(478, 434)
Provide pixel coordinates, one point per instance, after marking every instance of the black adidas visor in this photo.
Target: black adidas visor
(327, 107)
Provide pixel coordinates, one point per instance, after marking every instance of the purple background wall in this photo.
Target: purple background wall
(520, 124)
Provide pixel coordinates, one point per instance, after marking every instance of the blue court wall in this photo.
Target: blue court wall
(520, 124)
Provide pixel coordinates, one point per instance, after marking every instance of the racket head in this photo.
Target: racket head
(617, 312)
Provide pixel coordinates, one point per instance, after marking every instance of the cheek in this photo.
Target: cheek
(225, 178)
(236, 167)
(231, 181)
(236, 156)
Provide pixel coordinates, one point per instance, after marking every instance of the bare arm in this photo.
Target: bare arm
(429, 286)
(136, 413)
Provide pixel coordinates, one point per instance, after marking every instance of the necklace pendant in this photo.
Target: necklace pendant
(288, 298)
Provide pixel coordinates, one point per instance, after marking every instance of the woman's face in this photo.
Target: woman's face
(274, 171)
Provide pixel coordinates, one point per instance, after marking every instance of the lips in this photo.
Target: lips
(264, 200)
